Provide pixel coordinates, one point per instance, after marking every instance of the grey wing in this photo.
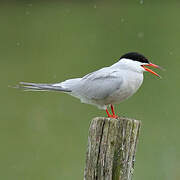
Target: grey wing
(101, 84)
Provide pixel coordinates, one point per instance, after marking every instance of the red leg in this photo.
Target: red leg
(108, 113)
(112, 109)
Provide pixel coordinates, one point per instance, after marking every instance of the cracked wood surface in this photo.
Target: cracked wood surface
(111, 149)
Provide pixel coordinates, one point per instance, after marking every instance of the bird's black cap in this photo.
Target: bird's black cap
(135, 57)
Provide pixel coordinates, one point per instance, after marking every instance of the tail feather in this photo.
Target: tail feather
(41, 87)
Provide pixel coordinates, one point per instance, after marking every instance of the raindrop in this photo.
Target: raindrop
(122, 20)
(171, 53)
(141, 1)
(140, 34)
(30, 5)
(18, 43)
(55, 76)
(95, 6)
(67, 10)
(27, 13)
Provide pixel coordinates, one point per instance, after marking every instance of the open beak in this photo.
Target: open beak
(149, 70)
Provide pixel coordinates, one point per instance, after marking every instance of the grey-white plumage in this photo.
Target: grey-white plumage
(109, 85)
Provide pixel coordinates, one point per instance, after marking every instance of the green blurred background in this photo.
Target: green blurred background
(43, 135)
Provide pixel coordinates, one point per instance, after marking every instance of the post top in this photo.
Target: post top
(118, 119)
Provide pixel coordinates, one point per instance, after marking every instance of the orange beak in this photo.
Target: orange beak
(149, 70)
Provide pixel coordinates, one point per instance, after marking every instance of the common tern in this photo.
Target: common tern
(104, 87)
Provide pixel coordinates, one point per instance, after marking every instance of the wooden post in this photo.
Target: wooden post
(111, 149)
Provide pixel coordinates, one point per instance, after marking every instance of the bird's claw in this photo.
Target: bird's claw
(113, 116)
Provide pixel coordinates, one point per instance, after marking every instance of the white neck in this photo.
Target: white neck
(129, 65)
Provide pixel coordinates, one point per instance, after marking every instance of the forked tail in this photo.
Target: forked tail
(41, 87)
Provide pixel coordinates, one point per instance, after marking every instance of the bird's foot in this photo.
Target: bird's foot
(113, 116)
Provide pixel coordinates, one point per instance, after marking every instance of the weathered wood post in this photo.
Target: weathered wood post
(111, 149)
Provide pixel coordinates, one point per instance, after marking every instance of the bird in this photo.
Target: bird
(105, 87)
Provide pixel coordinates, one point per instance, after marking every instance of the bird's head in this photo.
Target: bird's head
(137, 62)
